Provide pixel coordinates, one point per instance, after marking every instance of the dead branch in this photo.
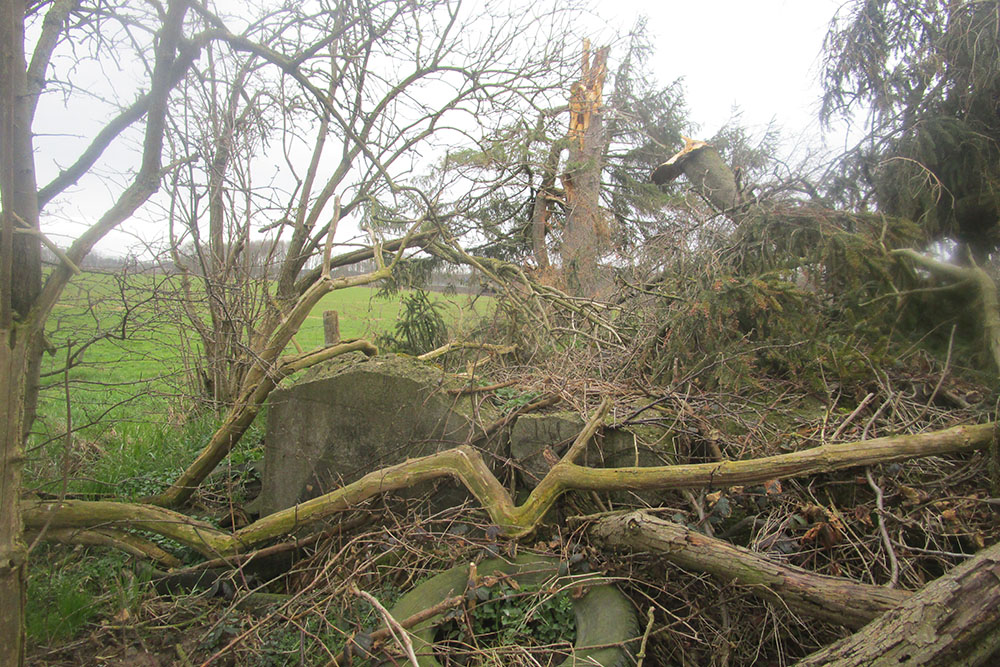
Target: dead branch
(116, 539)
(457, 345)
(832, 599)
(467, 466)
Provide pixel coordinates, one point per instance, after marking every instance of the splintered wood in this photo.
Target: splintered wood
(587, 94)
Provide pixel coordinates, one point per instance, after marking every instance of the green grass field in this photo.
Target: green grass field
(132, 397)
(136, 424)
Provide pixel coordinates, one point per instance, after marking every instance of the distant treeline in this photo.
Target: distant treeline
(262, 260)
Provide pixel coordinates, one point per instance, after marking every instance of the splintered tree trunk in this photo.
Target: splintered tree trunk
(585, 228)
(954, 620)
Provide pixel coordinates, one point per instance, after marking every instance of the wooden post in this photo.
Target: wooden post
(331, 328)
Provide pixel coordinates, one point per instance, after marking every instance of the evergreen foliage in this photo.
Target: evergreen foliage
(929, 75)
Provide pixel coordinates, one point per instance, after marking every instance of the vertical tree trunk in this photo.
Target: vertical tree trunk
(220, 347)
(585, 230)
(542, 209)
(13, 552)
(20, 284)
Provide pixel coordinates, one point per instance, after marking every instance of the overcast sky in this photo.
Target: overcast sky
(761, 55)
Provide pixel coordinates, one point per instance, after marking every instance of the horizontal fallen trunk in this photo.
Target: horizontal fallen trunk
(466, 465)
(832, 599)
(954, 620)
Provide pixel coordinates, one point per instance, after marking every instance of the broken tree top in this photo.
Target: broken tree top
(705, 169)
(674, 167)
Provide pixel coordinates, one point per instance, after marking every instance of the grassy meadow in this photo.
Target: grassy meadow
(135, 421)
(132, 402)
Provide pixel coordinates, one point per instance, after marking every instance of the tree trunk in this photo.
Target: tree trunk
(542, 209)
(954, 620)
(833, 599)
(585, 228)
(20, 284)
(13, 552)
(707, 172)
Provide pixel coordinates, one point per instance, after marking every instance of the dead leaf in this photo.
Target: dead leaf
(912, 496)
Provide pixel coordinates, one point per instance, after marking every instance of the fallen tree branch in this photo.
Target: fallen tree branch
(448, 347)
(116, 539)
(204, 538)
(467, 466)
(954, 620)
(462, 391)
(832, 599)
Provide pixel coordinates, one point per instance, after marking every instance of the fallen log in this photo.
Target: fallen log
(954, 620)
(834, 599)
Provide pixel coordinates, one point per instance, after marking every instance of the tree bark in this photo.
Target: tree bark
(832, 599)
(24, 303)
(20, 283)
(13, 552)
(954, 620)
(585, 228)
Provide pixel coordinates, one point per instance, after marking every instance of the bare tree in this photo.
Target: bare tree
(380, 83)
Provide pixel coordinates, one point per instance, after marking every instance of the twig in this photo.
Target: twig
(886, 540)
(421, 616)
(645, 637)
(937, 387)
(398, 632)
(861, 406)
(479, 390)
(48, 243)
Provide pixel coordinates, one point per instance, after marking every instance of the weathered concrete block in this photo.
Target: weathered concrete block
(351, 416)
(532, 434)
